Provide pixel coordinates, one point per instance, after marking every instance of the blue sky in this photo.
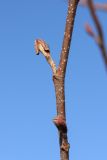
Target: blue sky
(27, 98)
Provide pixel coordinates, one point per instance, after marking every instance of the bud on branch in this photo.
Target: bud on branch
(41, 46)
(60, 123)
(89, 30)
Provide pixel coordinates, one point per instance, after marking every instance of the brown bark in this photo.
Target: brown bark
(60, 119)
(67, 36)
(59, 81)
(59, 77)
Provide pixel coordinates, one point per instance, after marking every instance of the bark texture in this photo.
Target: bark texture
(59, 81)
(59, 77)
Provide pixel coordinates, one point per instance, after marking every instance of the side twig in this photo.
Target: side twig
(41, 46)
(100, 37)
(97, 6)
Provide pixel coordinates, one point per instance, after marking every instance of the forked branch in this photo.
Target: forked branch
(59, 77)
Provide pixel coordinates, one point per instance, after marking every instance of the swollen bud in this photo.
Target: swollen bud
(41, 46)
(60, 123)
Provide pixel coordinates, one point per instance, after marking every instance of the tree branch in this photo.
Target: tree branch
(97, 6)
(72, 6)
(59, 77)
(100, 37)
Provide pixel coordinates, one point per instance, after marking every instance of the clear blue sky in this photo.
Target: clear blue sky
(27, 99)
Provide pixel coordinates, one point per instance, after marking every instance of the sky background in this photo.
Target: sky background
(27, 98)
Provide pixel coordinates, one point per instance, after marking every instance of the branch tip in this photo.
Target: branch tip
(41, 46)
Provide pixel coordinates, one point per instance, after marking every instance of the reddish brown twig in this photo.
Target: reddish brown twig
(67, 36)
(59, 77)
(97, 6)
(100, 37)
(59, 81)
(102, 7)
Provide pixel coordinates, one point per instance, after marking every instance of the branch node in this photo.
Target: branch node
(58, 77)
(60, 123)
(65, 146)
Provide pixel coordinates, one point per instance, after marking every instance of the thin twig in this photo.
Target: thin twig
(100, 37)
(67, 36)
(41, 46)
(59, 77)
(97, 6)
